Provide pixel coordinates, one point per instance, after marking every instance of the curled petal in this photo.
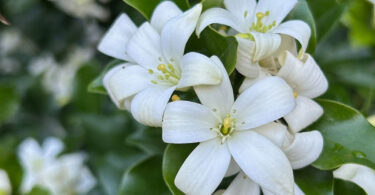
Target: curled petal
(245, 54)
(266, 44)
(358, 174)
(275, 132)
(296, 29)
(162, 13)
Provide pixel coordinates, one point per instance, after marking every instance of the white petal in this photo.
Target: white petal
(296, 29)
(86, 181)
(188, 122)
(5, 186)
(52, 147)
(204, 169)
(28, 150)
(124, 81)
(208, 95)
(144, 47)
(114, 42)
(304, 114)
(264, 102)
(278, 10)
(198, 69)
(219, 16)
(242, 185)
(245, 54)
(305, 149)
(275, 132)
(162, 13)
(297, 191)
(306, 79)
(232, 169)
(262, 161)
(248, 82)
(148, 106)
(266, 45)
(287, 43)
(242, 9)
(177, 32)
(361, 175)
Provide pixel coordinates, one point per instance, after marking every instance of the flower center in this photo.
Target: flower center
(258, 26)
(165, 74)
(226, 127)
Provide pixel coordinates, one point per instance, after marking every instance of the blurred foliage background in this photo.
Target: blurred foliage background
(39, 101)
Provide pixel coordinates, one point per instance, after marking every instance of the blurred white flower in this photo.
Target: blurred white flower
(371, 119)
(361, 175)
(5, 187)
(82, 8)
(61, 175)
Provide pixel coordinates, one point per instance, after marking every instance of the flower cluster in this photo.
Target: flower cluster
(256, 135)
(65, 174)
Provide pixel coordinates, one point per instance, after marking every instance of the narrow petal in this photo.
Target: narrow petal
(245, 54)
(242, 185)
(304, 114)
(307, 79)
(232, 169)
(361, 175)
(148, 106)
(275, 132)
(125, 80)
(262, 161)
(220, 16)
(296, 29)
(208, 94)
(144, 46)
(28, 150)
(278, 10)
(177, 32)
(188, 122)
(264, 102)
(266, 45)
(248, 82)
(162, 13)
(52, 147)
(242, 9)
(305, 149)
(114, 43)
(204, 168)
(198, 69)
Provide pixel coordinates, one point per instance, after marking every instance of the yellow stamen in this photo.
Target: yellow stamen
(162, 67)
(175, 98)
(150, 71)
(295, 94)
(260, 15)
(227, 125)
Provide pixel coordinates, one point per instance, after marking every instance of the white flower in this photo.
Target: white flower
(5, 187)
(60, 175)
(259, 28)
(361, 175)
(160, 67)
(82, 8)
(228, 129)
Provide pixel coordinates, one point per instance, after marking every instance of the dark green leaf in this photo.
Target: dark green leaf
(313, 181)
(9, 102)
(96, 86)
(148, 139)
(39, 191)
(347, 188)
(144, 178)
(348, 137)
(207, 4)
(173, 158)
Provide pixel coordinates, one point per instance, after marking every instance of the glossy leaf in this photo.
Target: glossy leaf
(144, 178)
(148, 139)
(347, 188)
(348, 137)
(39, 191)
(9, 102)
(314, 181)
(96, 86)
(207, 4)
(173, 158)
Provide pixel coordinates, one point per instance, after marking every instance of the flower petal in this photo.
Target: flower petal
(208, 94)
(114, 43)
(198, 69)
(358, 174)
(232, 169)
(304, 114)
(148, 106)
(219, 16)
(245, 54)
(297, 191)
(242, 9)
(278, 10)
(248, 82)
(275, 132)
(264, 102)
(188, 122)
(125, 80)
(144, 46)
(296, 29)
(205, 167)
(242, 185)
(162, 13)
(306, 79)
(52, 147)
(266, 44)
(305, 149)
(177, 32)
(262, 161)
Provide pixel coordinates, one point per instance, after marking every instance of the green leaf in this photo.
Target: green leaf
(144, 178)
(9, 102)
(347, 188)
(148, 139)
(303, 12)
(314, 181)
(173, 158)
(96, 86)
(207, 4)
(38, 190)
(348, 137)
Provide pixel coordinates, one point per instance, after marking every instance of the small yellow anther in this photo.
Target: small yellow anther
(267, 13)
(162, 67)
(175, 98)
(154, 82)
(245, 14)
(260, 15)
(150, 71)
(295, 94)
